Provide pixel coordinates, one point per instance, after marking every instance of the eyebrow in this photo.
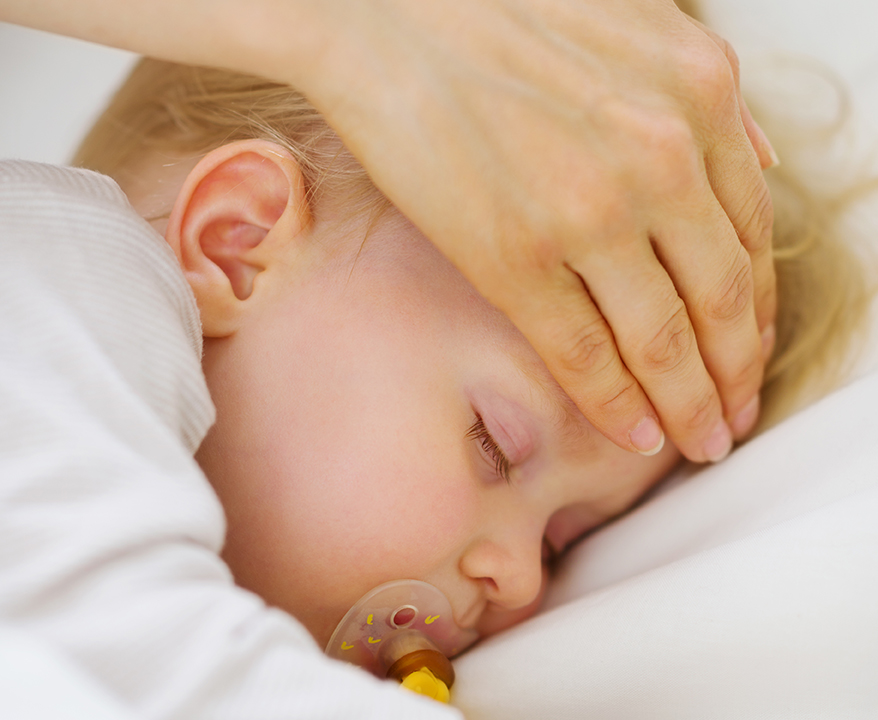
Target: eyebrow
(567, 418)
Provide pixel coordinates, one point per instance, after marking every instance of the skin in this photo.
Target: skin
(347, 376)
(590, 167)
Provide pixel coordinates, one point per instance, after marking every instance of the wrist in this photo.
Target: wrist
(288, 41)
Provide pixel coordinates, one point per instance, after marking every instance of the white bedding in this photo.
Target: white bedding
(749, 590)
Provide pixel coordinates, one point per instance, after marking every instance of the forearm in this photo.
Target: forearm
(264, 37)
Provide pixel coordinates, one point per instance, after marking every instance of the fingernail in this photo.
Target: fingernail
(746, 418)
(719, 443)
(768, 337)
(768, 149)
(647, 438)
(775, 160)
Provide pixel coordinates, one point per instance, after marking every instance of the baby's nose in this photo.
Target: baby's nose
(511, 569)
(495, 619)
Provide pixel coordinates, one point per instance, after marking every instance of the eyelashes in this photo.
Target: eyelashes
(480, 433)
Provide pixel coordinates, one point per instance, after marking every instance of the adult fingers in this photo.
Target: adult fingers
(741, 190)
(714, 278)
(659, 343)
(678, 295)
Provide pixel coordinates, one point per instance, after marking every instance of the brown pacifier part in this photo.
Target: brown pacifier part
(409, 651)
(433, 660)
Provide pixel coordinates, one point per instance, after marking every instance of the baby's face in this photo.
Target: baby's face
(378, 420)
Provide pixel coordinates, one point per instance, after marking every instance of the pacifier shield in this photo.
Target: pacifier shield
(388, 617)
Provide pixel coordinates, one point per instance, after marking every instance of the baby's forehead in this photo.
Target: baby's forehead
(417, 251)
(566, 419)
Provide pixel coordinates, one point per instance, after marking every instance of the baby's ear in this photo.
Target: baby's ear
(229, 222)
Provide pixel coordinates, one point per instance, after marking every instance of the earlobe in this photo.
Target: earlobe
(232, 211)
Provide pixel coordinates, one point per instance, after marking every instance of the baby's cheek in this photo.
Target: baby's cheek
(496, 619)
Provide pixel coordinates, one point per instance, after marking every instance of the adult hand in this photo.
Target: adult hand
(589, 165)
(591, 168)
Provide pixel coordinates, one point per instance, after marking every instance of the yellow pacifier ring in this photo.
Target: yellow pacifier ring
(426, 683)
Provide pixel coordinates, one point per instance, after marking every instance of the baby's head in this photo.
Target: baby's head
(377, 419)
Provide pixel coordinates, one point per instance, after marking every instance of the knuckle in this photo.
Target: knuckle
(662, 149)
(674, 137)
(590, 350)
(622, 397)
(606, 210)
(711, 78)
(541, 255)
(731, 56)
(755, 231)
(700, 413)
(671, 164)
(735, 292)
(614, 213)
(672, 158)
(671, 345)
(746, 380)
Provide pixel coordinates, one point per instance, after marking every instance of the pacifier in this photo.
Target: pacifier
(404, 630)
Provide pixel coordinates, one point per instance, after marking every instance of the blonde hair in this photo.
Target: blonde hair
(179, 111)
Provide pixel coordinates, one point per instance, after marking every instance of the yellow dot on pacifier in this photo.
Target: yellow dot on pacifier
(426, 683)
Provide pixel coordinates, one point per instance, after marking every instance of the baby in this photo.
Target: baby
(375, 416)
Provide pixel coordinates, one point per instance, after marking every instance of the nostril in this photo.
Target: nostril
(492, 589)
